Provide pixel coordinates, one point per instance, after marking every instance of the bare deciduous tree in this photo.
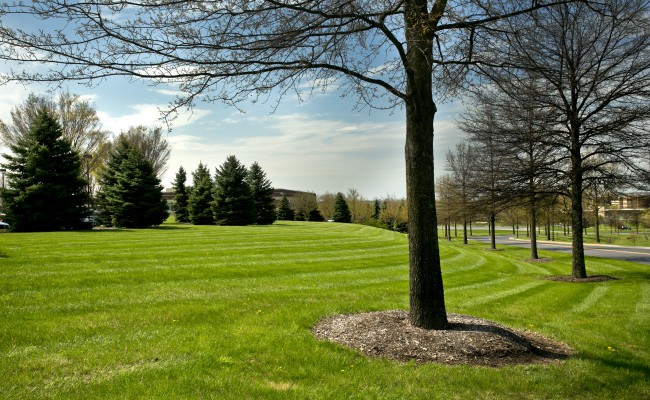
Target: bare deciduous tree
(483, 128)
(445, 202)
(152, 144)
(529, 163)
(302, 203)
(326, 204)
(461, 165)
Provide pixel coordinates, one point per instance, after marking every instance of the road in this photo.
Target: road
(634, 254)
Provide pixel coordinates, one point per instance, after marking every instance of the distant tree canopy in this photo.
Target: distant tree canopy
(303, 203)
(45, 190)
(233, 203)
(130, 194)
(314, 215)
(341, 209)
(181, 200)
(201, 197)
(262, 195)
(285, 212)
(236, 196)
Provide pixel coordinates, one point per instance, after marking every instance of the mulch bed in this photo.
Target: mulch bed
(468, 340)
(591, 278)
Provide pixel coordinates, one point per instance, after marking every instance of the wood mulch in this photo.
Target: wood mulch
(468, 340)
(590, 278)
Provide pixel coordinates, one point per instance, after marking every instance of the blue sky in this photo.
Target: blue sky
(318, 145)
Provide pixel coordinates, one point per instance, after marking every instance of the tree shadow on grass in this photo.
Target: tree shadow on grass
(641, 369)
(588, 279)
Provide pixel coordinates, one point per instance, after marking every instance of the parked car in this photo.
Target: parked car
(4, 225)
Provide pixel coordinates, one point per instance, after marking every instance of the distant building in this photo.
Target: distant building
(290, 194)
(628, 207)
(169, 195)
(632, 201)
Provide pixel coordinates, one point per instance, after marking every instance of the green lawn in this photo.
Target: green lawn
(225, 312)
(607, 235)
(622, 238)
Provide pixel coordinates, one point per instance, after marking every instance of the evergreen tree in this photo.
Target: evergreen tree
(341, 209)
(181, 203)
(130, 194)
(262, 194)
(233, 203)
(298, 216)
(376, 210)
(201, 197)
(315, 216)
(45, 189)
(285, 212)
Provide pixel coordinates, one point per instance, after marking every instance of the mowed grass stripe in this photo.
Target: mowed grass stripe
(597, 293)
(159, 260)
(642, 307)
(121, 294)
(501, 295)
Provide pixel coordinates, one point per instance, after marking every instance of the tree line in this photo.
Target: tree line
(240, 196)
(236, 195)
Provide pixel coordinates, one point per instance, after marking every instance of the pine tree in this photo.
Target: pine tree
(201, 197)
(285, 212)
(233, 203)
(262, 194)
(314, 215)
(45, 189)
(376, 210)
(341, 209)
(181, 203)
(130, 194)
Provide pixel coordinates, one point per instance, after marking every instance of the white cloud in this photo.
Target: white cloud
(149, 114)
(304, 152)
(169, 92)
(13, 94)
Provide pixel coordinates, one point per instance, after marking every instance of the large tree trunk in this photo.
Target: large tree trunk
(578, 268)
(464, 231)
(597, 224)
(493, 236)
(533, 231)
(427, 299)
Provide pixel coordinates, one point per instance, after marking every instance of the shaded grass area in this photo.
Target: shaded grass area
(226, 312)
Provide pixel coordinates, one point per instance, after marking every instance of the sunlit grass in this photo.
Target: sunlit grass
(225, 312)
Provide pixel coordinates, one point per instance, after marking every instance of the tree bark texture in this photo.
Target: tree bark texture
(533, 231)
(578, 267)
(493, 236)
(597, 217)
(427, 303)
